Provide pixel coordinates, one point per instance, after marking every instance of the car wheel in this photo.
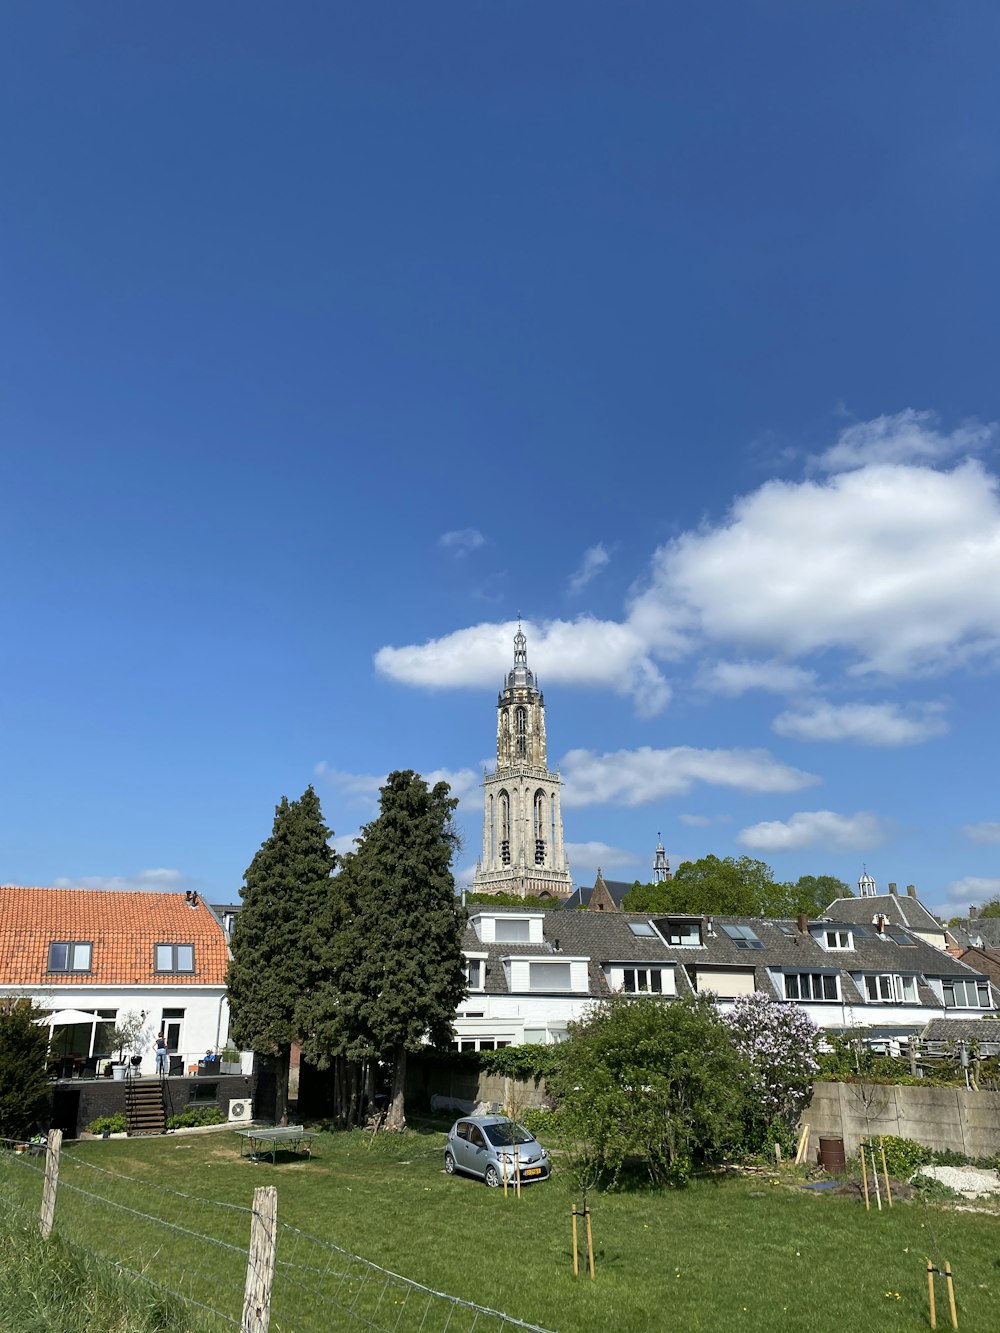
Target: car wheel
(492, 1178)
(449, 1164)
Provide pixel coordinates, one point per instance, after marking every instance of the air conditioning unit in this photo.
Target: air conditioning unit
(240, 1110)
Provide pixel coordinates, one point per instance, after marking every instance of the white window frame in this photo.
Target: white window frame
(477, 961)
(838, 936)
(969, 985)
(651, 983)
(823, 978)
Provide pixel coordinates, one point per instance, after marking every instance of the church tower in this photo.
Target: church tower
(523, 849)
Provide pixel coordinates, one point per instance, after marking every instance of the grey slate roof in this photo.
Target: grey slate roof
(962, 1029)
(901, 911)
(986, 929)
(606, 938)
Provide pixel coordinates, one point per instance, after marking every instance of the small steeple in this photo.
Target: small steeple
(866, 885)
(661, 866)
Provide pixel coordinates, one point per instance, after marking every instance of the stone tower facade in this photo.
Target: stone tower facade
(523, 849)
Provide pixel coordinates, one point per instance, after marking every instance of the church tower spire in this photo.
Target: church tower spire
(523, 850)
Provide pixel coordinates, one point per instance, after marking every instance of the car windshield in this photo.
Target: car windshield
(506, 1134)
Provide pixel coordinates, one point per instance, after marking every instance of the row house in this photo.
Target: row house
(532, 973)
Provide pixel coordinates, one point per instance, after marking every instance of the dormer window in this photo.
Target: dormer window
(70, 956)
(837, 939)
(512, 932)
(475, 973)
(683, 932)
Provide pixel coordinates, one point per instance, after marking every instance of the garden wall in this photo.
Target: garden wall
(443, 1085)
(942, 1118)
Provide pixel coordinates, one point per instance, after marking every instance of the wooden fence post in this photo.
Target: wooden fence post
(51, 1181)
(260, 1264)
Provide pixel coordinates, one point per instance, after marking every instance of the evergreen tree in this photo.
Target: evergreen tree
(24, 1084)
(397, 955)
(276, 945)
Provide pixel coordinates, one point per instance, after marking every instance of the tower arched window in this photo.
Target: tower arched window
(521, 731)
(504, 803)
(539, 827)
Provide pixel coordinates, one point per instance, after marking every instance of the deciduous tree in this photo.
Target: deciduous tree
(277, 949)
(658, 1082)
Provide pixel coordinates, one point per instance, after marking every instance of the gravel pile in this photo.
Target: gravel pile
(973, 1182)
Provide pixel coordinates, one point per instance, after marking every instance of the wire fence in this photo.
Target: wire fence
(196, 1250)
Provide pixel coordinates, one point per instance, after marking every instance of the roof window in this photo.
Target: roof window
(743, 937)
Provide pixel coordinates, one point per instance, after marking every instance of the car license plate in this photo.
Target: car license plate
(532, 1171)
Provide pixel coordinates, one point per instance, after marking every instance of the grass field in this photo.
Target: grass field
(722, 1253)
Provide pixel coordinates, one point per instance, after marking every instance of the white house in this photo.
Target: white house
(91, 956)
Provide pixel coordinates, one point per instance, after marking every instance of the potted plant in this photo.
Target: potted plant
(231, 1063)
(127, 1037)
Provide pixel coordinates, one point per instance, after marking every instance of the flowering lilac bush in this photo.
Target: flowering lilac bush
(780, 1046)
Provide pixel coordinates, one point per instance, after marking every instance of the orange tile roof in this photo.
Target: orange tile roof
(122, 926)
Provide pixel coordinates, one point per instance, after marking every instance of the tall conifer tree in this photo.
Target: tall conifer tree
(277, 950)
(400, 961)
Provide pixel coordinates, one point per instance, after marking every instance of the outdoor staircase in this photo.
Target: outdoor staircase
(144, 1106)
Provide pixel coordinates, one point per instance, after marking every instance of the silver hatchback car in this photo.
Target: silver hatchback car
(483, 1145)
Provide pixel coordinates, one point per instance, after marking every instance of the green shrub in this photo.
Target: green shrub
(113, 1124)
(528, 1061)
(203, 1115)
(902, 1156)
(547, 1126)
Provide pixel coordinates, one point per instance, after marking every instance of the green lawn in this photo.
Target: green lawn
(722, 1253)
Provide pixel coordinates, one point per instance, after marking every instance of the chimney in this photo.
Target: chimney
(892, 889)
(973, 913)
(803, 923)
(911, 890)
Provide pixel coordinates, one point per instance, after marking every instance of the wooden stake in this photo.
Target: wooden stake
(260, 1264)
(885, 1172)
(777, 1153)
(51, 1185)
(503, 1165)
(864, 1178)
(517, 1171)
(878, 1187)
(930, 1293)
(951, 1294)
(803, 1140)
(590, 1242)
(576, 1249)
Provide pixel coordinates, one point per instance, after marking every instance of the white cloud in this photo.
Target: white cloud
(590, 855)
(594, 560)
(897, 566)
(160, 880)
(866, 724)
(987, 831)
(823, 828)
(970, 889)
(579, 652)
(345, 842)
(704, 821)
(463, 541)
(735, 678)
(894, 563)
(906, 437)
(637, 777)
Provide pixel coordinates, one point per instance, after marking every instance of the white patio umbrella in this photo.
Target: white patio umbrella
(65, 1018)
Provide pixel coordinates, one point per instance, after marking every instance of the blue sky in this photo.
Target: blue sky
(334, 336)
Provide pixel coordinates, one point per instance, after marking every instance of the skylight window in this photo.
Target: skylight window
(642, 928)
(900, 938)
(743, 937)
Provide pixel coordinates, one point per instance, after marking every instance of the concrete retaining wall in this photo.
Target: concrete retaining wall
(941, 1118)
(444, 1086)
